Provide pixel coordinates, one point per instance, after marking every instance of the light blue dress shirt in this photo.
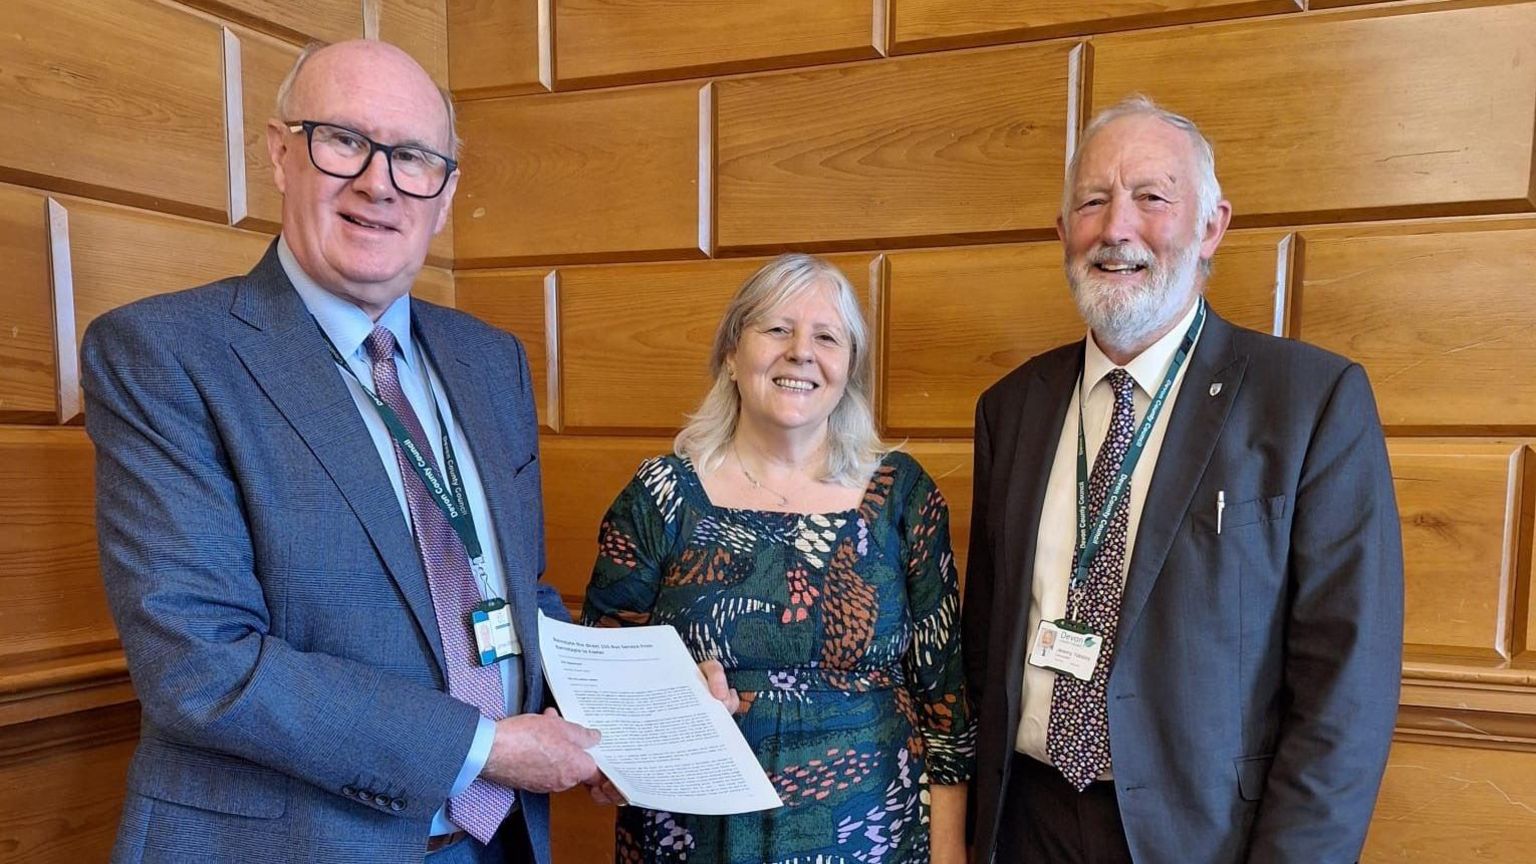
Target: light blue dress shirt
(347, 326)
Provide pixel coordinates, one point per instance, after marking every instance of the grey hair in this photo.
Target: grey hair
(854, 448)
(1207, 187)
(285, 97)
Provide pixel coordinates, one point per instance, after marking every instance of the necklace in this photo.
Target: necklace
(783, 499)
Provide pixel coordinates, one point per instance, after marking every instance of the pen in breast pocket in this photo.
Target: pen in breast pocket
(1221, 504)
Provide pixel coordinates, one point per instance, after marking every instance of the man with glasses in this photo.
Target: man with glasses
(320, 521)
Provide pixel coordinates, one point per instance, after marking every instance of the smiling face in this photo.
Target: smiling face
(360, 239)
(791, 364)
(1132, 231)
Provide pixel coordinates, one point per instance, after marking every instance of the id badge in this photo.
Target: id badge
(495, 640)
(1067, 647)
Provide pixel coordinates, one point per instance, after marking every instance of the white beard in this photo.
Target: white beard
(1122, 317)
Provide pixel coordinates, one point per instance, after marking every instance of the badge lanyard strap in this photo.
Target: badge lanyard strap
(1090, 539)
(450, 497)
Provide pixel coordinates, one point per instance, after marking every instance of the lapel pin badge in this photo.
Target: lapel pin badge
(1215, 388)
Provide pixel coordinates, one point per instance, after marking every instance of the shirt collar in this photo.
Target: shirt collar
(1148, 368)
(346, 324)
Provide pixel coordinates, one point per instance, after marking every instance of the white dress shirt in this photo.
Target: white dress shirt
(1056, 540)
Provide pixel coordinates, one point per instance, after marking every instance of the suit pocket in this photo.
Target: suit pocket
(1252, 774)
(1236, 514)
(525, 466)
(207, 781)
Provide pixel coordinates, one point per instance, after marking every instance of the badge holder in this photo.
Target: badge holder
(495, 640)
(1067, 648)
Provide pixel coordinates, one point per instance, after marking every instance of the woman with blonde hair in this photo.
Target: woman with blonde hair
(784, 540)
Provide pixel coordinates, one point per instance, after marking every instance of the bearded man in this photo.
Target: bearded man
(1198, 522)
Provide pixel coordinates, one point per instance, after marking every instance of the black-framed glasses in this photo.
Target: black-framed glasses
(346, 153)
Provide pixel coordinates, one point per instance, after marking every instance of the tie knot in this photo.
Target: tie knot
(380, 344)
(1121, 382)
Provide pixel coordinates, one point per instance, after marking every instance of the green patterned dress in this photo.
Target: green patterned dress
(840, 630)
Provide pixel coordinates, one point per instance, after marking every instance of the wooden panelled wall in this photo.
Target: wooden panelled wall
(132, 161)
(629, 163)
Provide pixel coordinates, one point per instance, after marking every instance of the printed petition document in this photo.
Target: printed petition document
(667, 744)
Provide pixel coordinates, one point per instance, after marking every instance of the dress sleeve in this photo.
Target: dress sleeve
(631, 546)
(935, 673)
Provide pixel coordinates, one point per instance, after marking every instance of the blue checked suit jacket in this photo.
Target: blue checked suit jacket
(276, 619)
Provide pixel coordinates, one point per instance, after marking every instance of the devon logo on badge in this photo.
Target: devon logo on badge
(1088, 641)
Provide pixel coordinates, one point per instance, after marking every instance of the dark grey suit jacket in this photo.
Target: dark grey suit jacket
(1256, 673)
(272, 605)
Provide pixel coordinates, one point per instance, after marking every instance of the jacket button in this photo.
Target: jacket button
(381, 800)
(349, 791)
(397, 804)
(364, 795)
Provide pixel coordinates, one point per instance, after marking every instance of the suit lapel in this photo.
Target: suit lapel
(1194, 425)
(1042, 412)
(290, 362)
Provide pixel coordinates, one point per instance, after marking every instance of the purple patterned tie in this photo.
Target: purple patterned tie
(480, 808)
(1077, 737)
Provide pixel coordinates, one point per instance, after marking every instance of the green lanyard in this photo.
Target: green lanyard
(450, 497)
(1090, 539)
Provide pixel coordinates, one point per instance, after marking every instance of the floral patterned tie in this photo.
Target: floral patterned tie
(481, 807)
(1077, 737)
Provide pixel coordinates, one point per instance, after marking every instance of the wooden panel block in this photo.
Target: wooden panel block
(1446, 803)
(943, 147)
(521, 302)
(264, 62)
(296, 21)
(951, 464)
(27, 367)
(66, 354)
(643, 331)
(48, 686)
(620, 41)
(440, 252)
(86, 113)
(1441, 109)
(1525, 603)
(940, 354)
(61, 786)
(418, 26)
(121, 255)
(1459, 505)
(580, 830)
(635, 340)
(1250, 279)
(925, 25)
(435, 285)
(51, 601)
(1441, 321)
(582, 176)
(582, 476)
(495, 48)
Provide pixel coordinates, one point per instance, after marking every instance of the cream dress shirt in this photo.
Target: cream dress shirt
(1057, 537)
